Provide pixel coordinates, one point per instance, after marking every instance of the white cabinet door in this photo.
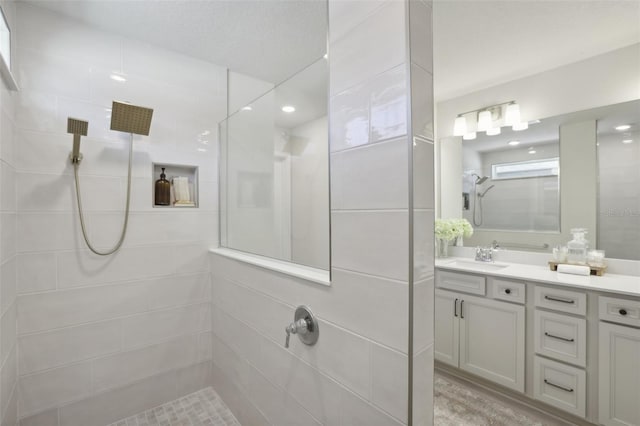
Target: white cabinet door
(492, 336)
(446, 327)
(619, 371)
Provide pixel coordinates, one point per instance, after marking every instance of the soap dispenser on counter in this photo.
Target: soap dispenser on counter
(578, 247)
(163, 190)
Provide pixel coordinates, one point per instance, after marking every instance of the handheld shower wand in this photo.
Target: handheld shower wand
(77, 128)
(124, 118)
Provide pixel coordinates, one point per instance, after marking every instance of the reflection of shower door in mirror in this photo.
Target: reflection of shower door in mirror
(282, 204)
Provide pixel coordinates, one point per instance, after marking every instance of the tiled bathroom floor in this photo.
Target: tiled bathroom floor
(202, 408)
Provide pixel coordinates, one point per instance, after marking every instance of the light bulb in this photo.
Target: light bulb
(460, 126)
(469, 136)
(523, 125)
(484, 121)
(512, 114)
(493, 131)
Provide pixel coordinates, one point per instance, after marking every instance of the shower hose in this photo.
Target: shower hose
(126, 214)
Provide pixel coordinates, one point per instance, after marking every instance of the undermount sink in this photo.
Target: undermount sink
(473, 264)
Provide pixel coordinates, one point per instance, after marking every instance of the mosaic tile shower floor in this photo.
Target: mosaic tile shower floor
(202, 408)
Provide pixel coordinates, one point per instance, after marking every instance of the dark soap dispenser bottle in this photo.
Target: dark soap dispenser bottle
(163, 190)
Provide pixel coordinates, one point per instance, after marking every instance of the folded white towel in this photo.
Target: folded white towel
(181, 188)
(574, 269)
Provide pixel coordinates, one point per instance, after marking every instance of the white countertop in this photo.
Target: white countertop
(612, 283)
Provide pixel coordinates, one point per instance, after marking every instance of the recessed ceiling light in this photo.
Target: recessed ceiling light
(627, 141)
(288, 108)
(623, 127)
(514, 143)
(247, 108)
(118, 78)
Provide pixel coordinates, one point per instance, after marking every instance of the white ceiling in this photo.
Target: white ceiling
(266, 39)
(477, 43)
(482, 43)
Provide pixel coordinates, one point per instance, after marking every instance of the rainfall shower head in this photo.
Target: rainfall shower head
(131, 118)
(77, 128)
(480, 179)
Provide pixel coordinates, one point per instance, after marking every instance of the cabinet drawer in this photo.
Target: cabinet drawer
(509, 291)
(569, 301)
(561, 337)
(560, 385)
(473, 284)
(621, 311)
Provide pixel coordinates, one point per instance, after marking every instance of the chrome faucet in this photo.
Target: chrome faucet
(484, 254)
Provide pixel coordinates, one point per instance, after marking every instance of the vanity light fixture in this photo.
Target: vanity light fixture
(514, 143)
(512, 114)
(623, 127)
(288, 108)
(627, 140)
(490, 119)
(460, 126)
(469, 136)
(484, 121)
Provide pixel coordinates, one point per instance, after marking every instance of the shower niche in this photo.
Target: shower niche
(182, 183)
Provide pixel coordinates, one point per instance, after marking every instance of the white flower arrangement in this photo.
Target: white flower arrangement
(449, 229)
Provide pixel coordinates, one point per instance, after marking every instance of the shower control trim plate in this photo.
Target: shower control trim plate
(305, 325)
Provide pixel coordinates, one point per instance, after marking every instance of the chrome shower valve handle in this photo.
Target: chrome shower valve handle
(304, 325)
(296, 327)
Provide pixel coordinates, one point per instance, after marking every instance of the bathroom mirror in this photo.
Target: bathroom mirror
(514, 189)
(274, 171)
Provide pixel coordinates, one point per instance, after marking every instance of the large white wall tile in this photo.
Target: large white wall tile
(7, 333)
(7, 284)
(371, 177)
(36, 272)
(421, 33)
(55, 348)
(152, 327)
(53, 387)
(7, 187)
(358, 412)
(126, 367)
(378, 43)
(84, 268)
(8, 238)
(8, 380)
(46, 311)
(390, 383)
(371, 242)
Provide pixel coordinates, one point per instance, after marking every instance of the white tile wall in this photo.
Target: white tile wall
(358, 369)
(8, 240)
(102, 338)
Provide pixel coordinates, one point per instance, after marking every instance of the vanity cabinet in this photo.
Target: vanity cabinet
(481, 336)
(619, 362)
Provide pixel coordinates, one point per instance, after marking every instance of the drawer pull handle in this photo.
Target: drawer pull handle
(558, 386)
(558, 337)
(455, 308)
(556, 299)
(507, 290)
(623, 312)
(462, 309)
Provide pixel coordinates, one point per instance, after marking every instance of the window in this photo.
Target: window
(526, 169)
